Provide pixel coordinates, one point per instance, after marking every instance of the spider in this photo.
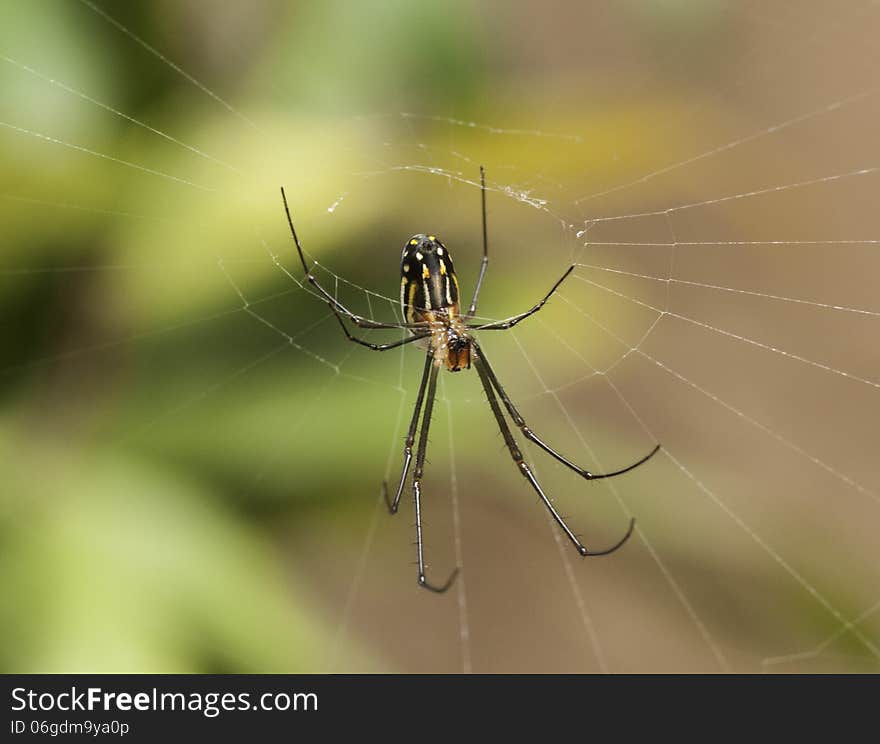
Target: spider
(429, 298)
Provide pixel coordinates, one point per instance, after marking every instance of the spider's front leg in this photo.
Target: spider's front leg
(429, 385)
(410, 437)
(532, 437)
(526, 471)
(417, 484)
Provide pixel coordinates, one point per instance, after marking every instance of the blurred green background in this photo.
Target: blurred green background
(192, 452)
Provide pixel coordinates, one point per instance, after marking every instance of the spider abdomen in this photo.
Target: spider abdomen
(429, 293)
(427, 280)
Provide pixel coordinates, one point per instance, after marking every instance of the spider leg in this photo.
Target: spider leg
(376, 347)
(410, 437)
(417, 483)
(485, 262)
(358, 320)
(531, 436)
(526, 471)
(503, 325)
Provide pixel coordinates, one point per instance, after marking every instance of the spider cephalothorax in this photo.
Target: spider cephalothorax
(429, 298)
(456, 350)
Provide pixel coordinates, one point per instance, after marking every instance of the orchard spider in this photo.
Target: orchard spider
(429, 298)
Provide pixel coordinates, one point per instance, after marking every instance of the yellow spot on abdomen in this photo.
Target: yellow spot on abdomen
(410, 314)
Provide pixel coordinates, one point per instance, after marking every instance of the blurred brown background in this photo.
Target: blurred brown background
(192, 452)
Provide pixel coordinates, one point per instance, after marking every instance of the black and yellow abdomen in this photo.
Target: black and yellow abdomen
(427, 281)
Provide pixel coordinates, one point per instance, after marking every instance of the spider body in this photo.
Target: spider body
(429, 299)
(429, 295)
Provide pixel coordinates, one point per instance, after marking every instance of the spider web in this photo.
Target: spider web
(723, 229)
